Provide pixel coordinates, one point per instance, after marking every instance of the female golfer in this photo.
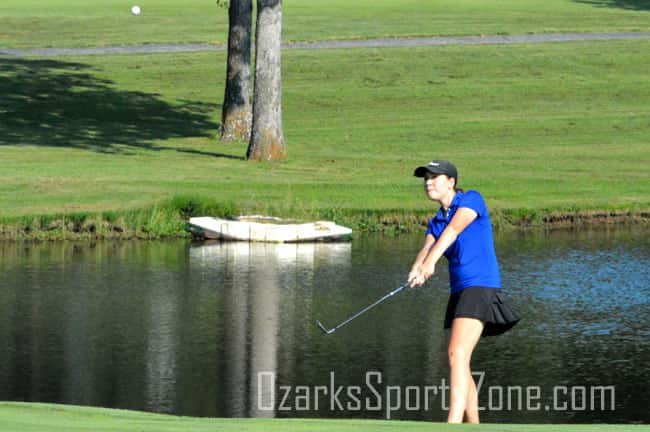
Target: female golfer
(461, 231)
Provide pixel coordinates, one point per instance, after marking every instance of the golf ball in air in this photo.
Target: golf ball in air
(135, 10)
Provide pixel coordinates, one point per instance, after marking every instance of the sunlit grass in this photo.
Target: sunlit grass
(558, 126)
(48, 417)
(76, 23)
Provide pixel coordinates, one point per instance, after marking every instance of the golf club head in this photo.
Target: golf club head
(322, 327)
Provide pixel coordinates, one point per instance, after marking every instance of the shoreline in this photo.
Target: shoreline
(169, 222)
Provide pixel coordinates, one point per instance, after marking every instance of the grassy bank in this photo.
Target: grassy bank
(47, 417)
(169, 219)
(538, 129)
(77, 23)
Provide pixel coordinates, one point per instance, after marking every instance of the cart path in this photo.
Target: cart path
(364, 43)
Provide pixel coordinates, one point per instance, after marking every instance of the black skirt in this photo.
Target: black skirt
(485, 304)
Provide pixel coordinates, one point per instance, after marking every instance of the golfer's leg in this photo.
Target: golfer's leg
(471, 406)
(465, 333)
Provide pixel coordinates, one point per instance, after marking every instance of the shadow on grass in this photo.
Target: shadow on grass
(638, 5)
(62, 104)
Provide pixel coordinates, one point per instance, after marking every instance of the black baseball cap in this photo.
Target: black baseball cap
(437, 167)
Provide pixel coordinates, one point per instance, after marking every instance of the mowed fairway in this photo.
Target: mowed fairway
(77, 23)
(21, 417)
(559, 126)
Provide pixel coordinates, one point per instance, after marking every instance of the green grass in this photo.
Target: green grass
(535, 128)
(21, 417)
(77, 23)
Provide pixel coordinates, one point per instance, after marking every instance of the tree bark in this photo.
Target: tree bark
(236, 112)
(267, 138)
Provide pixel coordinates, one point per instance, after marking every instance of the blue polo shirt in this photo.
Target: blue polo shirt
(472, 259)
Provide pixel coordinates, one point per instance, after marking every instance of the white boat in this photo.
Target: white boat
(266, 229)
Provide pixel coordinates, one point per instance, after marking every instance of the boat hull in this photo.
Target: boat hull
(239, 230)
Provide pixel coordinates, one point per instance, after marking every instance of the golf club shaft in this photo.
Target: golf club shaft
(367, 308)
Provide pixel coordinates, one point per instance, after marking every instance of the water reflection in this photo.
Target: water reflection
(186, 328)
(266, 285)
(162, 346)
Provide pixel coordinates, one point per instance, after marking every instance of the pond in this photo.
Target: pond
(228, 329)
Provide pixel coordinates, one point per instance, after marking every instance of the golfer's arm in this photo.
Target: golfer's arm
(463, 217)
(430, 240)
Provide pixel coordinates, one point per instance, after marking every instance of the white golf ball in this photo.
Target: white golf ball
(135, 10)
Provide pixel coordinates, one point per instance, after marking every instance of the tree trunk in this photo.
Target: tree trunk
(267, 139)
(236, 112)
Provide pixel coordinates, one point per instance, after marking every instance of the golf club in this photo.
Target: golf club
(361, 312)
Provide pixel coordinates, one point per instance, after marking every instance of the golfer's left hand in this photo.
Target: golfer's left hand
(426, 271)
(415, 278)
(421, 276)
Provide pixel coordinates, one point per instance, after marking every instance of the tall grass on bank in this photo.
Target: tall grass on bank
(169, 219)
(166, 219)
